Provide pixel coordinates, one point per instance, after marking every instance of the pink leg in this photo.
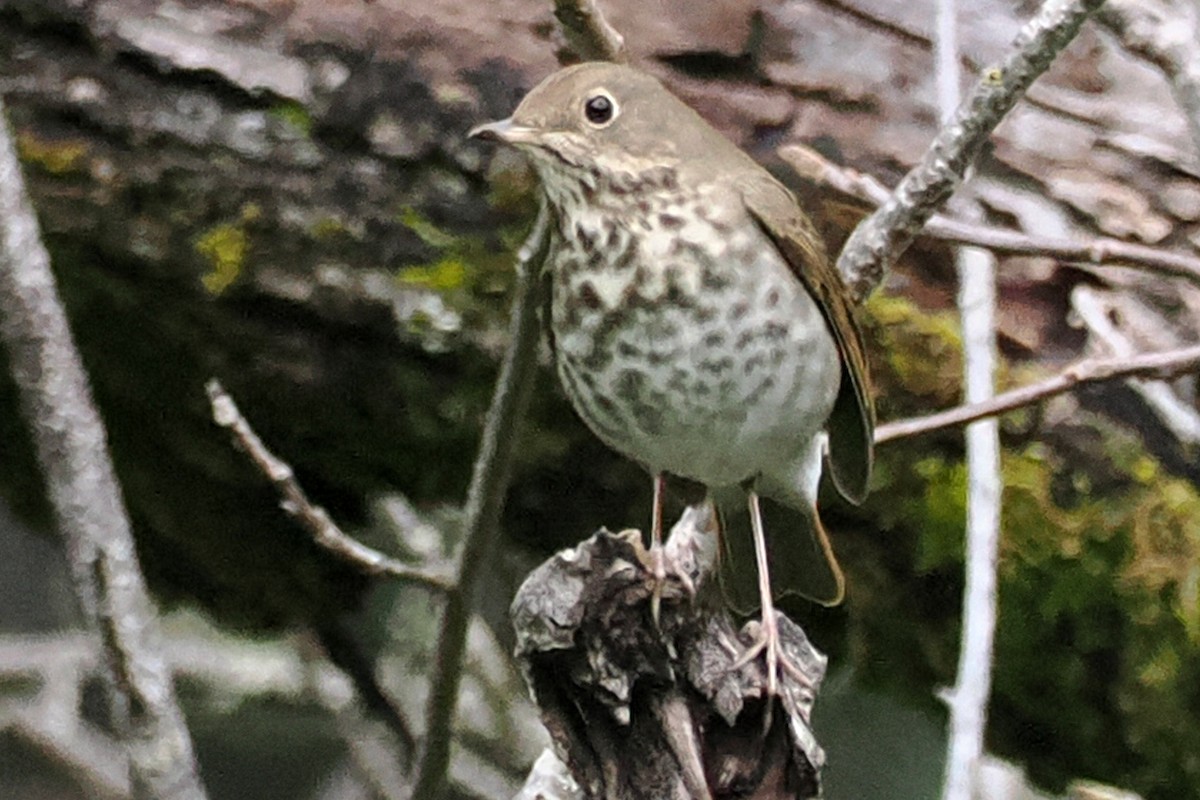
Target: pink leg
(658, 565)
(769, 638)
(660, 489)
(769, 626)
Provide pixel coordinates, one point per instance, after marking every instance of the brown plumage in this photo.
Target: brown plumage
(697, 323)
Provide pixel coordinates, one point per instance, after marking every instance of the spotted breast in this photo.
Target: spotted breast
(674, 325)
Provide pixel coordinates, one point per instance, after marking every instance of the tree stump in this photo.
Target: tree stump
(639, 711)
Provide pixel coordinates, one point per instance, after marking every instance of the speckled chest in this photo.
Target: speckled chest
(676, 325)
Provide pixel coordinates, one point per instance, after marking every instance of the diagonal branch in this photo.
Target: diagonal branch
(1154, 366)
(296, 503)
(882, 237)
(485, 498)
(591, 37)
(72, 449)
(1099, 251)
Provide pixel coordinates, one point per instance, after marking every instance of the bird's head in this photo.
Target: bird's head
(598, 121)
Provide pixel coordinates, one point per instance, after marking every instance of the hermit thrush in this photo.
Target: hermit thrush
(696, 322)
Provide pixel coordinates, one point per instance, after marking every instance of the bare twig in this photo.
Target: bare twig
(296, 503)
(1165, 33)
(1100, 251)
(1157, 366)
(883, 236)
(485, 498)
(588, 32)
(72, 449)
(326, 533)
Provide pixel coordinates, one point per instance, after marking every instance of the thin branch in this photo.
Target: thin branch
(591, 37)
(327, 534)
(811, 165)
(485, 499)
(295, 502)
(588, 32)
(1099, 251)
(1164, 366)
(72, 449)
(882, 237)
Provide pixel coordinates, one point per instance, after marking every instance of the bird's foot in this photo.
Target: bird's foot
(767, 643)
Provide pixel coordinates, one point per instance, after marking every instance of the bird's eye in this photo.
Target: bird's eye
(600, 109)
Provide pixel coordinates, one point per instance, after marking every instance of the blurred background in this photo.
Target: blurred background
(280, 195)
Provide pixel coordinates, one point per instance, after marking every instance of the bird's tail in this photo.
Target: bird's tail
(799, 556)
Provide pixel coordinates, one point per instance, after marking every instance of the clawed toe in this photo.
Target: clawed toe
(767, 643)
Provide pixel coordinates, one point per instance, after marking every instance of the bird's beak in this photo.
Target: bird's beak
(505, 131)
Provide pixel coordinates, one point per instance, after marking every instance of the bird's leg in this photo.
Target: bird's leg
(660, 489)
(658, 566)
(768, 637)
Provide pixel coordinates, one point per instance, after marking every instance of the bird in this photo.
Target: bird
(696, 322)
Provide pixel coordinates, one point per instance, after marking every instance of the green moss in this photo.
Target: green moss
(1110, 579)
(469, 272)
(224, 247)
(251, 212)
(448, 274)
(943, 512)
(327, 228)
(1098, 642)
(429, 233)
(56, 157)
(917, 355)
(294, 114)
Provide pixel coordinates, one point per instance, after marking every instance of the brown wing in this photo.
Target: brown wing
(852, 423)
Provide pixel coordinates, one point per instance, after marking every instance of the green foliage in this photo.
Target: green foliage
(1097, 652)
(918, 361)
(1108, 674)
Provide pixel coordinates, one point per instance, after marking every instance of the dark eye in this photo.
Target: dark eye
(599, 109)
